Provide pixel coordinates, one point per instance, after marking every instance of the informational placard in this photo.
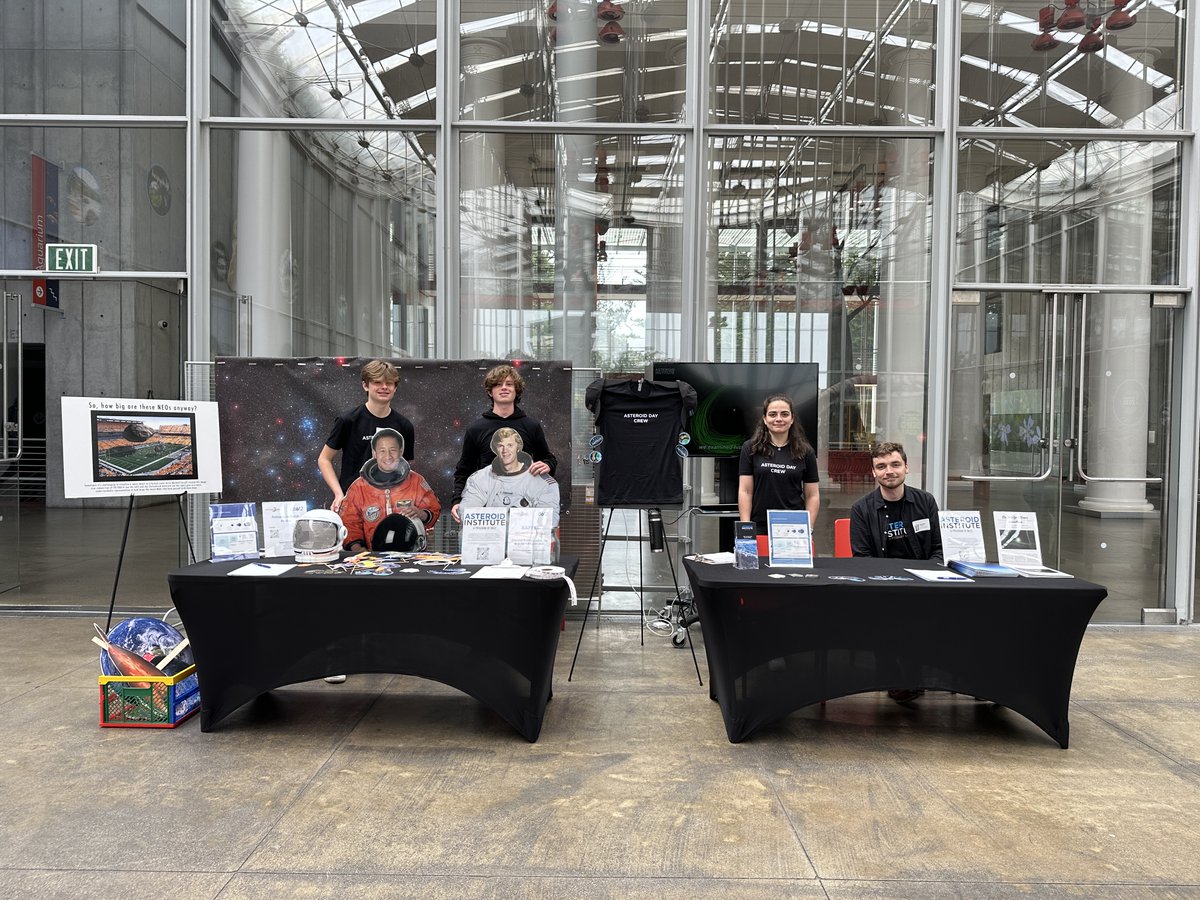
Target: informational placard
(1017, 540)
(234, 531)
(279, 523)
(123, 447)
(789, 538)
(530, 535)
(484, 532)
(962, 535)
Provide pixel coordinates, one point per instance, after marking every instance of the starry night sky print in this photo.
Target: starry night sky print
(276, 414)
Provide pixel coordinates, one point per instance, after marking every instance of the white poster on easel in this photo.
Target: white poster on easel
(123, 447)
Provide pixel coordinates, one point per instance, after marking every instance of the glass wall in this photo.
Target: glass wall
(123, 189)
(326, 60)
(1073, 66)
(322, 243)
(793, 63)
(573, 61)
(100, 59)
(569, 247)
(1068, 212)
(821, 185)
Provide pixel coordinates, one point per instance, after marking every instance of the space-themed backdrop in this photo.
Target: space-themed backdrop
(275, 415)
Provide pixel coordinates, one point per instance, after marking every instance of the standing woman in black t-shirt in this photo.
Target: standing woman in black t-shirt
(778, 467)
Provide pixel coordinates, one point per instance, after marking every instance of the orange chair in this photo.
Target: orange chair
(841, 538)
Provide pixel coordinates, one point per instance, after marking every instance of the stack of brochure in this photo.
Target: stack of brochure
(1041, 572)
(982, 569)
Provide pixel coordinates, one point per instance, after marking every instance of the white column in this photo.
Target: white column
(1118, 327)
(480, 179)
(264, 242)
(576, 61)
(904, 278)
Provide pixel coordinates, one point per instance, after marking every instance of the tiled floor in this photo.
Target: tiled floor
(389, 786)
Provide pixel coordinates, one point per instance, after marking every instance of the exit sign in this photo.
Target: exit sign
(71, 258)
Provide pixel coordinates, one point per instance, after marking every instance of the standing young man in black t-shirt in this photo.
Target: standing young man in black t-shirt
(504, 386)
(352, 431)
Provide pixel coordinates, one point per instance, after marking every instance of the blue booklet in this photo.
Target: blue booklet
(982, 569)
(789, 538)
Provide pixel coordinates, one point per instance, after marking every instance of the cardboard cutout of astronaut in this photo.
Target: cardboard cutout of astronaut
(507, 482)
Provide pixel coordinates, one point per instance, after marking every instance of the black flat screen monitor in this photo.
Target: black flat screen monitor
(729, 399)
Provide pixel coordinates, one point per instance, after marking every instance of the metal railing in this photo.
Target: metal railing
(25, 477)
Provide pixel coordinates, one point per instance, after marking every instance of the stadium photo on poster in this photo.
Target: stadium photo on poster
(143, 445)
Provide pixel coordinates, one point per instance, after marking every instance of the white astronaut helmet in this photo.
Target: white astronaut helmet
(318, 536)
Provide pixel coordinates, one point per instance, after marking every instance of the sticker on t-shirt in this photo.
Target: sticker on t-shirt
(920, 525)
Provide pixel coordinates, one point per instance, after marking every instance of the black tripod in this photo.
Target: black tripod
(121, 556)
(655, 520)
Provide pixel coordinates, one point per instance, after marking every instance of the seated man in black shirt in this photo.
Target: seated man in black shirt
(895, 520)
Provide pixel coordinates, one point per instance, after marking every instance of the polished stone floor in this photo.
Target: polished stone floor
(389, 786)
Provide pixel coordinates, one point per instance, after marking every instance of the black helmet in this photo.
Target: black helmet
(398, 532)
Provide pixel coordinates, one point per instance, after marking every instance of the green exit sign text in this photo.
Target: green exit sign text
(71, 258)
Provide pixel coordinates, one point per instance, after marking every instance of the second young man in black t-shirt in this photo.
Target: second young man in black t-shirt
(352, 431)
(504, 386)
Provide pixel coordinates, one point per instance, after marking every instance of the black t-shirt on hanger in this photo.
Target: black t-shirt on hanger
(640, 422)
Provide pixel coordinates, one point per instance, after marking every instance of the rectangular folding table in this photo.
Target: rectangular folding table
(776, 644)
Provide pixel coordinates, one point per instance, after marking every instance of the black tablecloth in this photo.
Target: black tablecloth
(775, 645)
(494, 640)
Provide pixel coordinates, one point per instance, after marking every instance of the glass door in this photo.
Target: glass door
(11, 377)
(1060, 404)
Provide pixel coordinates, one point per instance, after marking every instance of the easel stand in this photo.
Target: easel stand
(112, 603)
(641, 592)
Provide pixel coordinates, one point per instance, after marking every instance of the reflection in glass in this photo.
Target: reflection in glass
(570, 247)
(335, 59)
(95, 187)
(819, 252)
(781, 62)
(1068, 212)
(1065, 411)
(121, 58)
(1090, 67)
(539, 60)
(325, 244)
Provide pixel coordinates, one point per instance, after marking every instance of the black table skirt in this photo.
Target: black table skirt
(494, 640)
(775, 645)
